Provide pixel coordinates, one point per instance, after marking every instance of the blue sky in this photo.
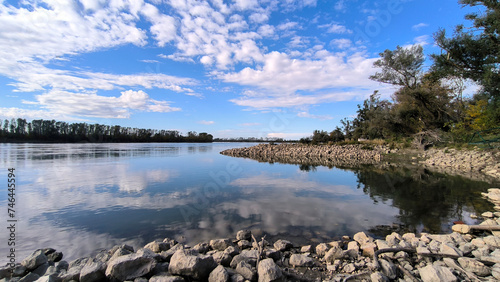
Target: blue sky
(261, 68)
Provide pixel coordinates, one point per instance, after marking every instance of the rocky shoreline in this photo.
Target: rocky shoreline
(470, 253)
(476, 164)
(328, 155)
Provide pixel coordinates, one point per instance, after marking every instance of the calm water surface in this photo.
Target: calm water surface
(77, 198)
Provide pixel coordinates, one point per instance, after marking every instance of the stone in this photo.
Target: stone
(368, 249)
(388, 269)
(74, 269)
(378, 277)
(42, 269)
(321, 249)
(246, 270)
(461, 228)
(219, 274)
(450, 250)
(222, 258)
(495, 271)
(333, 254)
(244, 244)
(220, 244)
(157, 247)
(62, 265)
(35, 259)
(187, 263)
(268, 271)
(237, 278)
(487, 214)
(238, 258)
(349, 268)
(434, 273)
(121, 251)
(300, 260)
(474, 266)
(165, 277)
(232, 251)
(306, 249)
(282, 245)
(492, 241)
(49, 278)
(167, 255)
(93, 270)
(202, 248)
(30, 277)
(130, 266)
(362, 238)
(159, 269)
(244, 235)
(274, 254)
(55, 256)
(353, 245)
(393, 239)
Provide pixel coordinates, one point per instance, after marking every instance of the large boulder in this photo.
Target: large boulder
(220, 244)
(219, 274)
(474, 266)
(34, 260)
(433, 273)
(268, 271)
(93, 270)
(191, 264)
(131, 266)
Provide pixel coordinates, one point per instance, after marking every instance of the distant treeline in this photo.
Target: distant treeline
(252, 139)
(19, 130)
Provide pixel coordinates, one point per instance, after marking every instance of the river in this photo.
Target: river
(77, 198)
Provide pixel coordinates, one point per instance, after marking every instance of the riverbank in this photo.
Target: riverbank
(483, 165)
(471, 253)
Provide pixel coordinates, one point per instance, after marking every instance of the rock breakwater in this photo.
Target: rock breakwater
(464, 255)
(486, 162)
(327, 155)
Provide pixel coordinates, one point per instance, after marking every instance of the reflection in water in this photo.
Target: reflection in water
(80, 197)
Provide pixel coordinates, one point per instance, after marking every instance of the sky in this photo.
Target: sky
(237, 68)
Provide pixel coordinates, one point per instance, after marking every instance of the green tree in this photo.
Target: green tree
(402, 67)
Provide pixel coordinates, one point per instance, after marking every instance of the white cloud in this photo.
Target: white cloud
(419, 26)
(206, 122)
(250, 124)
(288, 25)
(342, 43)
(340, 5)
(336, 28)
(422, 40)
(308, 115)
(65, 103)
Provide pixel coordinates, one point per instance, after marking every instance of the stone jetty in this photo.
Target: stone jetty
(467, 254)
(328, 155)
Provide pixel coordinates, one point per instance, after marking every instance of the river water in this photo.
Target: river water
(77, 198)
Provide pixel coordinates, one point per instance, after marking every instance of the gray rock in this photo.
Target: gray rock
(165, 277)
(495, 271)
(268, 271)
(450, 250)
(274, 254)
(42, 269)
(19, 270)
(189, 263)
(232, 251)
(238, 258)
(167, 255)
(130, 266)
(49, 278)
(283, 245)
(157, 247)
(54, 256)
(362, 238)
(74, 270)
(388, 269)
(492, 241)
(300, 260)
(246, 270)
(93, 270)
(237, 278)
(435, 273)
(34, 260)
(220, 244)
(333, 254)
(61, 265)
(306, 249)
(321, 249)
(30, 277)
(378, 277)
(222, 258)
(349, 268)
(474, 266)
(244, 235)
(5, 271)
(219, 274)
(202, 248)
(244, 244)
(160, 268)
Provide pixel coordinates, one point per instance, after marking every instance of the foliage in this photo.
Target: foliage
(52, 131)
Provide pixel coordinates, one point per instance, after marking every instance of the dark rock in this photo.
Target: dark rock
(160, 268)
(244, 244)
(388, 269)
(62, 265)
(190, 263)
(232, 251)
(222, 258)
(34, 260)
(30, 277)
(274, 254)
(130, 266)
(55, 256)
(19, 271)
(40, 270)
(268, 271)
(219, 274)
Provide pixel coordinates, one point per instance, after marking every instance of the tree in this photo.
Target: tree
(473, 53)
(402, 67)
(373, 119)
